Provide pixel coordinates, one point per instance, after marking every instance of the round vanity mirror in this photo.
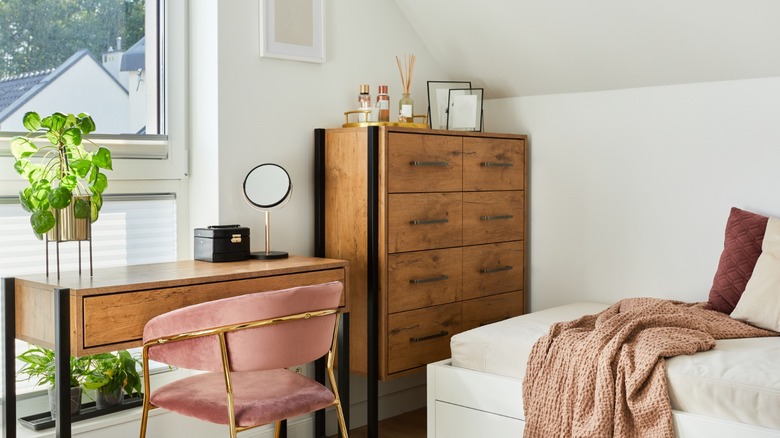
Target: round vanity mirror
(268, 187)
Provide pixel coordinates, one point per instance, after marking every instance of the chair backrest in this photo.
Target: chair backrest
(273, 346)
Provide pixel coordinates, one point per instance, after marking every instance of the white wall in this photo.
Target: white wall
(629, 190)
(256, 110)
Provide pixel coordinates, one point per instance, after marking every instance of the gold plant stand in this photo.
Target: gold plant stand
(68, 229)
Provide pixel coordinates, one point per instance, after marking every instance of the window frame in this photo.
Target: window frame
(146, 157)
(145, 163)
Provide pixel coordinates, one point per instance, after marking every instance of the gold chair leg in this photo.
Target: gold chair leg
(144, 417)
(277, 429)
(342, 423)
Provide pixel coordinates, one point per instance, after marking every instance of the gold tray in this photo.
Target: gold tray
(348, 124)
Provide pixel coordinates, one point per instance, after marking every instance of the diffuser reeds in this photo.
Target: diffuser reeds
(406, 71)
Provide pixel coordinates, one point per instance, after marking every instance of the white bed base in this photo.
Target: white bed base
(467, 403)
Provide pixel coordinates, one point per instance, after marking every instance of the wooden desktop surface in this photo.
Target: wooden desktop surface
(110, 309)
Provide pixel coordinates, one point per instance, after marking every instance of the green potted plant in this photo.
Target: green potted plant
(39, 364)
(113, 375)
(61, 173)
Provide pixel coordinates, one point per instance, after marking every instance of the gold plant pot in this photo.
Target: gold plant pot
(69, 228)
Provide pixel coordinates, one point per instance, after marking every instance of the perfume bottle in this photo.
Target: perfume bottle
(383, 103)
(364, 102)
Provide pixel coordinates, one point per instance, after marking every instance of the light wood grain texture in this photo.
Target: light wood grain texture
(493, 217)
(120, 318)
(424, 163)
(493, 185)
(109, 309)
(418, 337)
(345, 224)
(492, 269)
(490, 309)
(424, 221)
(424, 278)
(493, 164)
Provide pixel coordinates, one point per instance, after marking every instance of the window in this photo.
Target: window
(124, 62)
(86, 56)
(113, 59)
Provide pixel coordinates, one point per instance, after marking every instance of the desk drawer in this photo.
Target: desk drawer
(419, 337)
(492, 217)
(424, 221)
(492, 269)
(493, 164)
(430, 163)
(114, 319)
(424, 278)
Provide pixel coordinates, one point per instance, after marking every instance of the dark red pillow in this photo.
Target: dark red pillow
(741, 248)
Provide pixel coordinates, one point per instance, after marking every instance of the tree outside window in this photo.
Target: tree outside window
(76, 56)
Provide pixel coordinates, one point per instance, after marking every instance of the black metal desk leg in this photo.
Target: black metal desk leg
(343, 371)
(372, 280)
(62, 361)
(8, 357)
(319, 416)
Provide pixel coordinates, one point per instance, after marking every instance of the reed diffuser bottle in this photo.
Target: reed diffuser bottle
(406, 104)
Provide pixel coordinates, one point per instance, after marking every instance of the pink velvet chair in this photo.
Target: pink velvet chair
(245, 344)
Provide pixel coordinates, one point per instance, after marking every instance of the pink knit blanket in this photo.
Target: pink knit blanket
(603, 375)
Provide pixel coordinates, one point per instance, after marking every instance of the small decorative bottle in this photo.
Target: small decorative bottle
(406, 109)
(383, 103)
(364, 102)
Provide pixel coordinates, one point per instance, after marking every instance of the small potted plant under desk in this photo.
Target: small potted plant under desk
(39, 363)
(112, 375)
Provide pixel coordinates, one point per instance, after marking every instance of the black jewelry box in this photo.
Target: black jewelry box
(222, 243)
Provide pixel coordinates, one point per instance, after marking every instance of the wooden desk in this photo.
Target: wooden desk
(106, 312)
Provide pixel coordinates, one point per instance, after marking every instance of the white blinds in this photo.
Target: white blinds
(131, 230)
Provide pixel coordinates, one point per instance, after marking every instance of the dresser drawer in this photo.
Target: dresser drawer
(492, 217)
(424, 221)
(430, 163)
(424, 278)
(492, 269)
(493, 164)
(418, 337)
(493, 308)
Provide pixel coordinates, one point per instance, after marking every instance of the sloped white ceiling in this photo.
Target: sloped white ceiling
(530, 47)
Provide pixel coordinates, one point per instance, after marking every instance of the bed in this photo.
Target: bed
(731, 390)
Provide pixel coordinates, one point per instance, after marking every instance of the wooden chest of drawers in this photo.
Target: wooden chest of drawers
(433, 225)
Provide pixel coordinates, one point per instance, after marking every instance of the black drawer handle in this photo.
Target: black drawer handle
(494, 164)
(428, 221)
(428, 280)
(490, 271)
(425, 338)
(429, 163)
(493, 218)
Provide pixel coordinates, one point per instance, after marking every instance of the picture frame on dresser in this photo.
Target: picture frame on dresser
(438, 100)
(464, 109)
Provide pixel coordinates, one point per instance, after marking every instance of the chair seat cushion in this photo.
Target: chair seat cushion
(260, 397)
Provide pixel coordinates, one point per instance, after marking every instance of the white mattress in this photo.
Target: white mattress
(737, 380)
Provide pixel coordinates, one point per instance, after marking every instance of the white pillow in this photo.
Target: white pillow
(759, 305)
